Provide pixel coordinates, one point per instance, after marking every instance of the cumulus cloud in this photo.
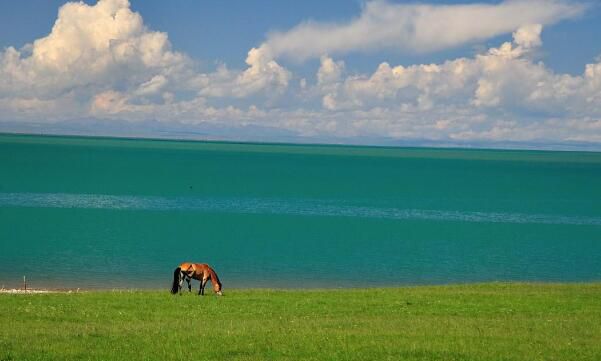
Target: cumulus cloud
(329, 70)
(528, 36)
(103, 56)
(415, 27)
(103, 46)
(500, 94)
(95, 57)
(262, 74)
(502, 76)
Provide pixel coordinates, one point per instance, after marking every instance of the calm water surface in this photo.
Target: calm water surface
(77, 212)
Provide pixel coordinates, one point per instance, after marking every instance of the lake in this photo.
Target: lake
(112, 213)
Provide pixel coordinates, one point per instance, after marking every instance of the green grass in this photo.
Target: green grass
(466, 322)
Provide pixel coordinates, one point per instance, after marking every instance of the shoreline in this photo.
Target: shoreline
(49, 290)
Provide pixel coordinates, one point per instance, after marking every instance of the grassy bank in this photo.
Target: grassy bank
(467, 322)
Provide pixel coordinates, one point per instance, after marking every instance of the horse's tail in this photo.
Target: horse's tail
(217, 285)
(176, 275)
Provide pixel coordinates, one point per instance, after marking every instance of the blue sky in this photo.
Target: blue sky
(527, 74)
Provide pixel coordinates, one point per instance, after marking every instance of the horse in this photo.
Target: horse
(198, 271)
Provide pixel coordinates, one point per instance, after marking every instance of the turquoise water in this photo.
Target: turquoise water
(85, 212)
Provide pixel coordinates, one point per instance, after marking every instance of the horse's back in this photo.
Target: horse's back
(201, 267)
(201, 270)
(185, 266)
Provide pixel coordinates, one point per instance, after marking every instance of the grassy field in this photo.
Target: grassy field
(467, 322)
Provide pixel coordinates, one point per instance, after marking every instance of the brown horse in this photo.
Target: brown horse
(198, 271)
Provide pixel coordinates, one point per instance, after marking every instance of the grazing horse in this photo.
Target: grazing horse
(198, 271)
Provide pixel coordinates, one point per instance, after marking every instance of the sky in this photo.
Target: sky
(511, 74)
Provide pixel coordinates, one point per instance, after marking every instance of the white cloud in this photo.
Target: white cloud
(528, 36)
(103, 55)
(499, 95)
(328, 80)
(100, 46)
(329, 70)
(415, 27)
(504, 77)
(152, 86)
(262, 74)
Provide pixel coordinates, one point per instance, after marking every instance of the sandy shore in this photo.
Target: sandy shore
(14, 290)
(34, 291)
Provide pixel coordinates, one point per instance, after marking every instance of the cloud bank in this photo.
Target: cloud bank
(101, 62)
(501, 94)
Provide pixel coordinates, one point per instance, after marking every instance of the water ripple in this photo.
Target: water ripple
(275, 206)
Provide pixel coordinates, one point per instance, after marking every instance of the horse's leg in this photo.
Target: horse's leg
(182, 277)
(189, 280)
(181, 282)
(203, 283)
